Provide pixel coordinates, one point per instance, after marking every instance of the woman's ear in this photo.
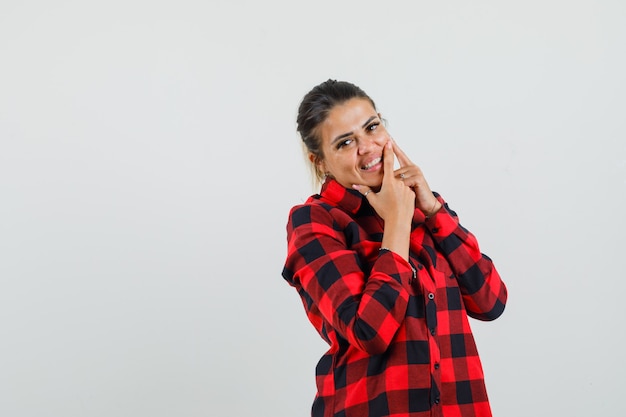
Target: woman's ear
(317, 162)
(318, 165)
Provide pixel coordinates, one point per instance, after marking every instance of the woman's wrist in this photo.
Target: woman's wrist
(435, 208)
(396, 238)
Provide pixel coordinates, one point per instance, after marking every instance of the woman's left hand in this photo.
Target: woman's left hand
(413, 177)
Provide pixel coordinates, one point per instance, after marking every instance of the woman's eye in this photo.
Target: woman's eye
(373, 126)
(344, 143)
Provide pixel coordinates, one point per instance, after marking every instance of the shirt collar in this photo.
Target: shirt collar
(337, 195)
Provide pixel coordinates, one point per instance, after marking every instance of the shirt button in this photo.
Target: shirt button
(436, 400)
(431, 296)
(435, 229)
(420, 266)
(436, 366)
(432, 331)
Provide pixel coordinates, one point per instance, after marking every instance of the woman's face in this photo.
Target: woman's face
(353, 138)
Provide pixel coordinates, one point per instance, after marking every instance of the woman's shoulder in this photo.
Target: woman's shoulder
(317, 210)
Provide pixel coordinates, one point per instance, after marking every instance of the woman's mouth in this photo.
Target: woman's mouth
(372, 164)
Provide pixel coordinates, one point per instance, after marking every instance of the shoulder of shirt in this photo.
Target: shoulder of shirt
(312, 204)
(316, 210)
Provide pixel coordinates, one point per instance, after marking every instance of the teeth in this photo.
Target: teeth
(371, 164)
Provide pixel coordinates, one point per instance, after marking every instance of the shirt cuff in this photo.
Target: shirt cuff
(394, 265)
(442, 223)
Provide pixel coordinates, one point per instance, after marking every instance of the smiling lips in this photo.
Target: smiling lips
(372, 163)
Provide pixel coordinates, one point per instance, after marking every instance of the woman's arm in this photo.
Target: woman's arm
(482, 289)
(366, 310)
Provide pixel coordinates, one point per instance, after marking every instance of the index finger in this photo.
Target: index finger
(403, 159)
(388, 158)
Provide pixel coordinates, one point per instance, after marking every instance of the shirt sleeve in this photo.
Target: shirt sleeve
(482, 289)
(365, 309)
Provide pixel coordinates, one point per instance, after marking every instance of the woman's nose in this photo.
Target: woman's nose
(366, 145)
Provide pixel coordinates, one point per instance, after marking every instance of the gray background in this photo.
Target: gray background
(148, 160)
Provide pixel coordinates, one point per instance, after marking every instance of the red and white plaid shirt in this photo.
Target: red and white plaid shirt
(399, 335)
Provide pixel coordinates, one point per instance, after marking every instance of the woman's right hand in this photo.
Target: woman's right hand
(395, 203)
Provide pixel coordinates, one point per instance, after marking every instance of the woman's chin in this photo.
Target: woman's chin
(376, 182)
(374, 185)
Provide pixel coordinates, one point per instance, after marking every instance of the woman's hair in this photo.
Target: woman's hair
(314, 109)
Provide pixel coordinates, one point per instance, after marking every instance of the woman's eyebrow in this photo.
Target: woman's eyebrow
(350, 133)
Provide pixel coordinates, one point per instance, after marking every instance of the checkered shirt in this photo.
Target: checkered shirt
(400, 340)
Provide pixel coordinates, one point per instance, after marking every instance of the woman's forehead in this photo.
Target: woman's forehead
(350, 115)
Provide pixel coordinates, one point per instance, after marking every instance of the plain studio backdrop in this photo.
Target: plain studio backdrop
(149, 158)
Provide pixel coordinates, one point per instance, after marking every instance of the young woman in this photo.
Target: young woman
(387, 275)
